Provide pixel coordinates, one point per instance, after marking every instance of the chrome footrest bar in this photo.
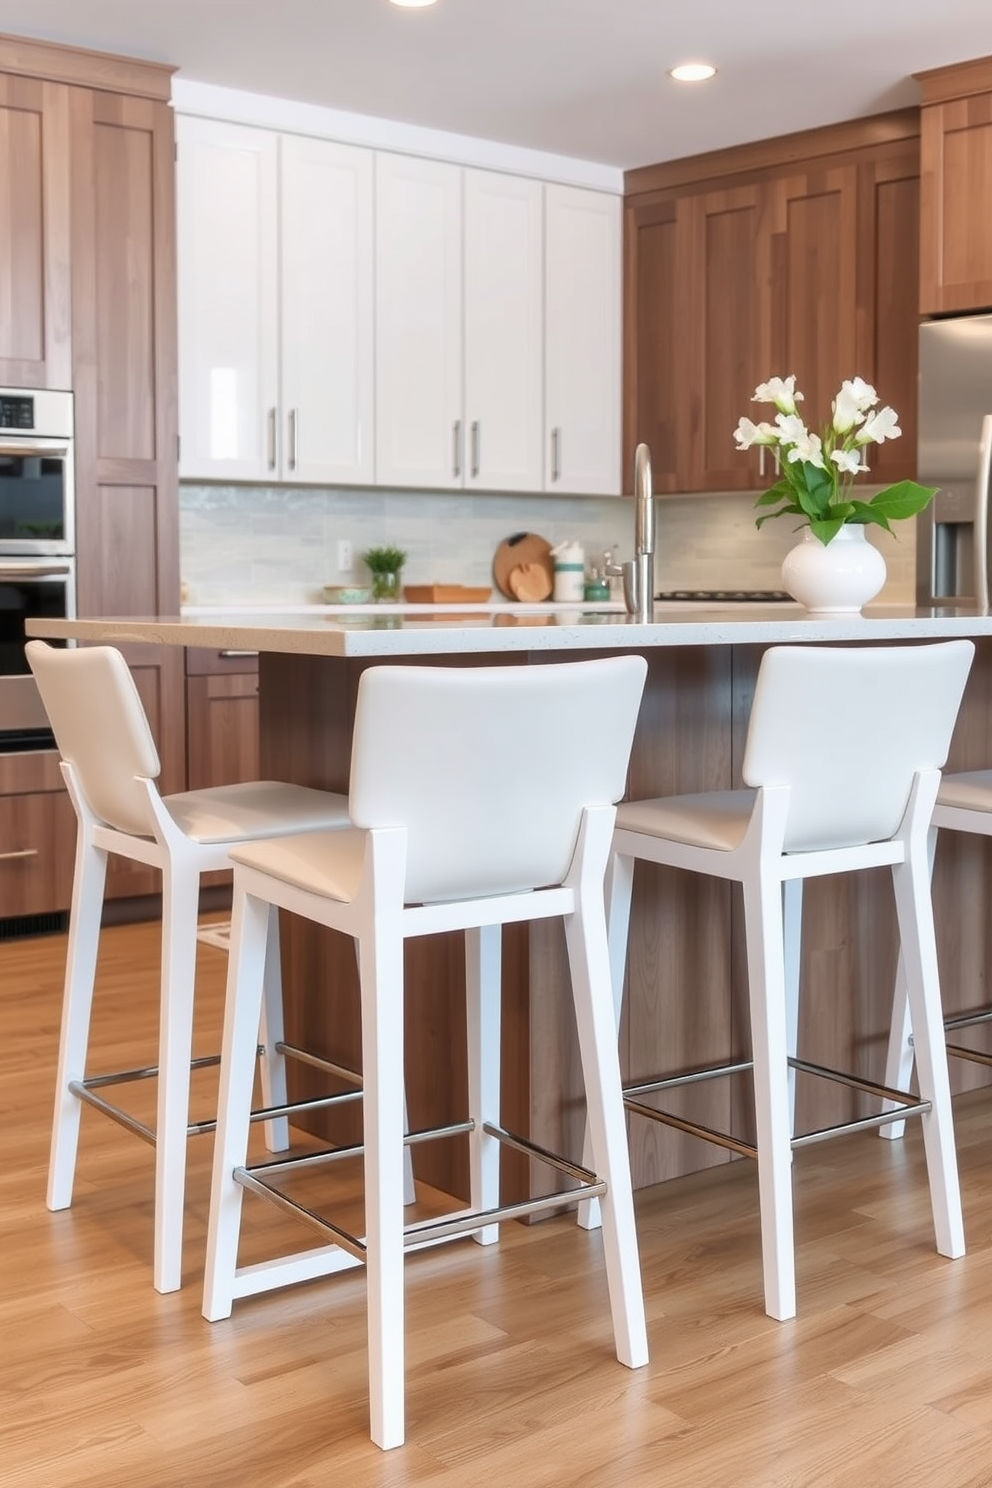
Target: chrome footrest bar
(689, 1077)
(694, 1129)
(246, 1177)
(333, 1154)
(857, 1082)
(967, 1020)
(81, 1090)
(531, 1149)
(269, 1113)
(862, 1123)
(327, 1065)
(124, 1077)
(976, 1056)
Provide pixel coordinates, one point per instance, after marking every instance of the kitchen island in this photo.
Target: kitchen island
(686, 1000)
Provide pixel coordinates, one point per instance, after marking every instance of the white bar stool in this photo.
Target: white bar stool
(479, 797)
(843, 755)
(110, 765)
(964, 804)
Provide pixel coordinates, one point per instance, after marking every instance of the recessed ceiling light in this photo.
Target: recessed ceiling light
(413, 4)
(692, 72)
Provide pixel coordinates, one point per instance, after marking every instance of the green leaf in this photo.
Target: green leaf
(865, 515)
(902, 500)
(779, 492)
(826, 530)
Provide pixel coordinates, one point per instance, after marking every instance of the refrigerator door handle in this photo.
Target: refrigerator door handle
(980, 544)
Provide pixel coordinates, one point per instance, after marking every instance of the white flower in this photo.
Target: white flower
(780, 391)
(805, 446)
(880, 426)
(748, 433)
(852, 403)
(849, 461)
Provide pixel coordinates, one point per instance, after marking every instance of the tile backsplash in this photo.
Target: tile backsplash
(278, 544)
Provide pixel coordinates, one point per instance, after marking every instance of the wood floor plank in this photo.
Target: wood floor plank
(883, 1378)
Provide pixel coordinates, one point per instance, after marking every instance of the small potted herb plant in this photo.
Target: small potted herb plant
(385, 565)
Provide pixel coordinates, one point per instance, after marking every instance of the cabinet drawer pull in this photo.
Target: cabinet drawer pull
(555, 454)
(271, 438)
(476, 446)
(456, 457)
(228, 655)
(294, 438)
(23, 852)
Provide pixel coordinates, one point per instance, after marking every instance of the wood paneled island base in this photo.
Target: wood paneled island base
(685, 1002)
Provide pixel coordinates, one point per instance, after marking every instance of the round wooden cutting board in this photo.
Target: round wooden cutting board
(524, 550)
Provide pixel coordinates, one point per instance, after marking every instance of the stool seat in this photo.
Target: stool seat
(716, 820)
(110, 765)
(969, 791)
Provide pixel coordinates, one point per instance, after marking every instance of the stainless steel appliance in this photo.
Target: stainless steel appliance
(37, 545)
(955, 454)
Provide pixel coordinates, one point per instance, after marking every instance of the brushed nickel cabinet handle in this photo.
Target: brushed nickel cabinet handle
(24, 852)
(294, 438)
(555, 454)
(272, 439)
(476, 446)
(227, 655)
(456, 432)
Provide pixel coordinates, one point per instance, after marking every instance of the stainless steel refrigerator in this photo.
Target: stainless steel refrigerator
(955, 454)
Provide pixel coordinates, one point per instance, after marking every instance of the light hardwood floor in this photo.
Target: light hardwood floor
(884, 1379)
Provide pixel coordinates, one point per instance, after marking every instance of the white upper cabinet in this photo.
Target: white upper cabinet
(504, 339)
(418, 338)
(582, 341)
(275, 306)
(226, 207)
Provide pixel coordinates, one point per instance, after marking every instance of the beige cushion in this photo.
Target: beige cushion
(259, 808)
(971, 790)
(327, 863)
(716, 819)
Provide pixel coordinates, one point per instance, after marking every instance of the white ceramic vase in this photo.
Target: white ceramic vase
(835, 578)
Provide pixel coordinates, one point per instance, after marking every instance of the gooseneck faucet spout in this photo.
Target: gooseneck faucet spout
(638, 576)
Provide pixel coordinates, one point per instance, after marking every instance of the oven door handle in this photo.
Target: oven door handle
(13, 572)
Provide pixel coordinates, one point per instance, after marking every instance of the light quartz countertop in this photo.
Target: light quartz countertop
(388, 631)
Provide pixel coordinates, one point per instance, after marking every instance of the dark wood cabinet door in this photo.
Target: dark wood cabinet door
(222, 729)
(35, 344)
(956, 204)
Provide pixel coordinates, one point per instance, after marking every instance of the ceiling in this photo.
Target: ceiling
(584, 78)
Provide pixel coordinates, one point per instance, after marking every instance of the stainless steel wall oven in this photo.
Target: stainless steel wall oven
(37, 545)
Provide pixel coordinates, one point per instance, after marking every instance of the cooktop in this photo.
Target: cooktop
(727, 596)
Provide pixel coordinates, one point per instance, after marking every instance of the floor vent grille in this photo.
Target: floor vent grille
(53, 923)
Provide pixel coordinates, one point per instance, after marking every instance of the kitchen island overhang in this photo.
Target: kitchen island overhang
(685, 1002)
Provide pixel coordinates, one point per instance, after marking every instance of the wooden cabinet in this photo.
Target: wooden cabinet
(86, 185)
(221, 718)
(582, 341)
(37, 836)
(767, 264)
(275, 305)
(34, 233)
(956, 188)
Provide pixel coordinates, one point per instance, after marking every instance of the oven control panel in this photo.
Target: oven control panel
(16, 411)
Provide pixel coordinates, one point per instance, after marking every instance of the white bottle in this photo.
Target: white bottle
(570, 572)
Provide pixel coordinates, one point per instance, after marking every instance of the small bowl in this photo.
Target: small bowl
(347, 594)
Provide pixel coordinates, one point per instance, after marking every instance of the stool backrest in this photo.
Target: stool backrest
(100, 728)
(847, 728)
(490, 768)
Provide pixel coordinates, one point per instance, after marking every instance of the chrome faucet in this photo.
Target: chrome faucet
(638, 575)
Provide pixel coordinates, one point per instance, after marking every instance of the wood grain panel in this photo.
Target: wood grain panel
(35, 336)
(104, 70)
(955, 205)
(654, 380)
(35, 770)
(221, 730)
(43, 829)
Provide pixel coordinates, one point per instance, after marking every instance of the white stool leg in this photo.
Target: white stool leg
(250, 921)
(915, 912)
(766, 992)
(180, 900)
(619, 889)
(272, 1069)
(589, 968)
(77, 1003)
(409, 1186)
(483, 996)
(899, 1058)
(382, 1062)
(792, 909)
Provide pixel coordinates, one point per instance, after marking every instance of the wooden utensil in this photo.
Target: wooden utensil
(519, 550)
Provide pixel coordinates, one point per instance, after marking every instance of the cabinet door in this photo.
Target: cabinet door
(222, 729)
(813, 300)
(35, 343)
(420, 433)
(326, 325)
(228, 352)
(504, 408)
(582, 341)
(722, 345)
(956, 205)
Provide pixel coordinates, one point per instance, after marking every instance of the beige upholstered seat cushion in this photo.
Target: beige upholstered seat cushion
(971, 790)
(259, 808)
(327, 863)
(716, 819)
